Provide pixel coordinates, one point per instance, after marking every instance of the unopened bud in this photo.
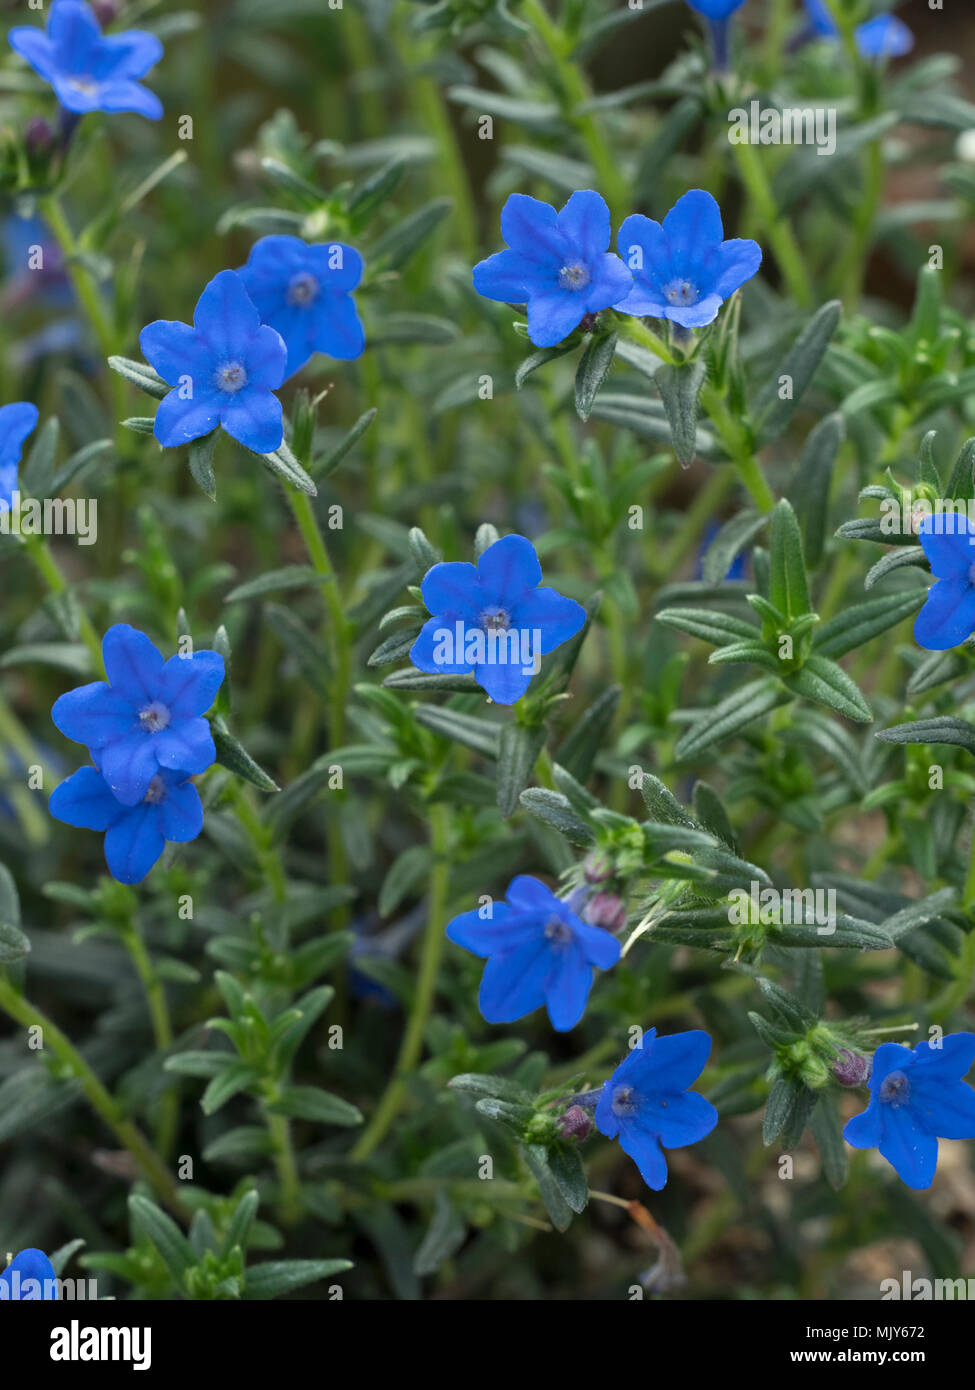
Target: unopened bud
(851, 1068)
(606, 910)
(106, 11)
(576, 1124)
(38, 136)
(598, 867)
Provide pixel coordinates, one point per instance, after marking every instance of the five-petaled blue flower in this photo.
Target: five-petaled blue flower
(539, 952)
(224, 370)
(884, 36)
(16, 423)
(147, 717)
(28, 1278)
(646, 1102)
(88, 71)
(684, 270)
(915, 1099)
(493, 620)
(559, 264)
(305, 292)
(948, 615)
(135, 836)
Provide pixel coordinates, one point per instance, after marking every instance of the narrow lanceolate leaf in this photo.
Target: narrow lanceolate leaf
(595, 363)
(234, 756)
(284, 465)
(858, 624)
(728, 543)
(140, 375)
(321, 468)
(943, 729)
(894, 560)
(825, 1125)
(201, 453)
(518, 749)
(274, 581)
(679, 388)
(276, 1277)
(557, 811)
(720, 629)
(781, 396)
(731, 716)
(822, 681)
(149, 1221)
(787, 573)
(13, 944)
(309, 1103)
(814, 474)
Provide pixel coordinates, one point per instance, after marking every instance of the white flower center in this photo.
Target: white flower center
(156, 792)
(895, 1089)
(231, 377)
(624, 1100)
(573, 277)
(495, 619)
(87, 86)
(154, 717)
(681, 292)
(303, 289)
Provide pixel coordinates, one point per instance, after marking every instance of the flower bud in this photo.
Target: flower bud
(106, 11)
(851, 1068)
(598, 867)
(576, 1124)
(606, 910)
(38, 136)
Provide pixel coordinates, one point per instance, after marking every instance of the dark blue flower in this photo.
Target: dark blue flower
(28, 1278)
(884, 36)
(559, 264)
(305, 293)
(224, 370)
(135, 836)
(147, 717)
(88, 71)
(684, 270)
(948, 615)
(34, 264)
(16, 423)
(646, 1102)
(915, 1099)
(539, 952)
(493, 620)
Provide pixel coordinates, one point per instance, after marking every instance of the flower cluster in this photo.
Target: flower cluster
(146, 732)
(558, 264)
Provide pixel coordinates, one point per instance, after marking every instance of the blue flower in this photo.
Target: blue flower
(716, 9)
(915, 1099)
(646, 1102)
(948, 615)
(135, 836)
(492, 619)
(305, 293)
(16, 423)
(684, 270)
(539, 952)
(28, 1278)
(147, 717)
(224, 370)
(30, 274)
(559, 264)
(884, 36)
(87, 71)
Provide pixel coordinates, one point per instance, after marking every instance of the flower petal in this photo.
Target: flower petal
(584, 222)
(129, 765)
(176, 350)
(507, 569)
(179, 421)
(509, 277)
(432, 644)
(944, 1108)
(513, 983)
(532, 227)
(181, 813)
(694, 223)
(948, 615)
(339, 332)
(187, 746)
(556, 617)
(567, 987)
(494, 935)
(948, 541)
(225, 315)
(85, 800)
(451, 590)
(681, 1119)
(907, 1148)
(95, 714)
(134, 843)
(865, 1131)
(34, 47)
(675, 1061)
(553, 314)
(133, 664)
(504, 684)
(646, 1153)
(734, 262)
(188, 685)
(255, 419)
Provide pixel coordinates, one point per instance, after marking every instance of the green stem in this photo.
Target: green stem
(576, 94)
(162, 1029)
(784, 244)
(268, 858)
(279, 1128)
(56, 582)
(735, 439)
(412, 1044)
(128, 1134)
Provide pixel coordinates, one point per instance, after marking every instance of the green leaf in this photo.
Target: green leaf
(232, 754)
(559, 1211)
(140, 375)
(788, 591)
(811, 487)
(407, 870)
(577, 753)
(239, 1076)
(538, 359)
(556, 810)
(276, 1277)
(13, 943)
(201, 453)
(941, 729)
(274, 581)
(864, 621)
(241, 1222)
(468, 729)
(444, 1237)
(497, 1087)
(283, 464)
(565, 1163)
(309, 1103)
(710, 625)
(731, 716)
(150, 1221)
(518, 748)
(593, 367)
(679, 388)
(800, 364)
(822, 681)
(37, 471)
(731, 539)
(321, 468)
